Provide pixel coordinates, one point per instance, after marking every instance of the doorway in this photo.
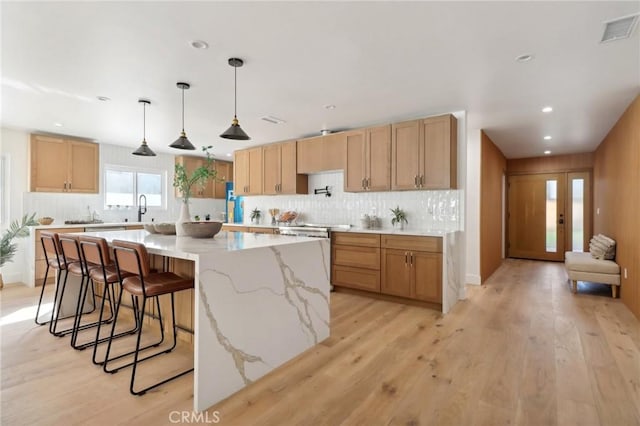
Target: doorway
(548, 214)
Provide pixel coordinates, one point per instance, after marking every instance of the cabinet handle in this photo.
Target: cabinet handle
(415, 181)
(362, 183)
(366, 183)
(411, 259)
(406, 258)
(69, 185)
(65, 186)
(421, 180)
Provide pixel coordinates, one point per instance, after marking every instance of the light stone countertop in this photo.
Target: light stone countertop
(62, 225)
(414, 232)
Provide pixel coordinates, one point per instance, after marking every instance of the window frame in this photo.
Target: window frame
(136, 171)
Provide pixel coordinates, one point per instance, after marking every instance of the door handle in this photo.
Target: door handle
(561, 219)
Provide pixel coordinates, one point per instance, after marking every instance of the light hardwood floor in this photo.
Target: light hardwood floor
(520, 350)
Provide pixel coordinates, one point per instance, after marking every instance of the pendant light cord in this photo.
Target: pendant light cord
(235, 91)
(144, 122)
(182, 109)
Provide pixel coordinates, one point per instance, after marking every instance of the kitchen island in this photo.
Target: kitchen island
(260, 300)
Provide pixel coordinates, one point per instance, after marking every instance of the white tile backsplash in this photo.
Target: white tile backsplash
(426, 210)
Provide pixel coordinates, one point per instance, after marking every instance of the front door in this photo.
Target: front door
(536, 216)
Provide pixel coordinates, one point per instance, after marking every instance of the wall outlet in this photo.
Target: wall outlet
(625, 273)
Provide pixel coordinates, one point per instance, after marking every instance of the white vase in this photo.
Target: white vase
(185, 216)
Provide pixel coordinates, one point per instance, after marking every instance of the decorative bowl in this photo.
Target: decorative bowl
(45, 220)
(201, 229)
(149, 227)
(165, 228)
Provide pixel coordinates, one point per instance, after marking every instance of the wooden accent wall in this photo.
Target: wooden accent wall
(617, 195)
(551, 164)
(493, 166)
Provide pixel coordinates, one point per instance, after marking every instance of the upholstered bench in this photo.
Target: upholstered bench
(584, 267)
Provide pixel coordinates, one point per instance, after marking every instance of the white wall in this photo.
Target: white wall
(472, 207)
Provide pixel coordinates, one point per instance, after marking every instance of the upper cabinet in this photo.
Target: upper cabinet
(424, 154)
(212, 189)
(279, 172)
(368, 160)
(247, 171)
(322, 153)
(63, 165)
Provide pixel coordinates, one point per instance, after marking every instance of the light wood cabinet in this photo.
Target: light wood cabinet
(213, 189)
(63, 165)
(225, 174)
(414, 271)
(368, 164)
(247, 171)
(321, 153)
(280, 172)
(424, 153)
(355, 261)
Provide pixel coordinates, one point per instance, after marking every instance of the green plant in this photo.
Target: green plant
(200, 176)
(399, 216)
(255, 214)
(16, 230)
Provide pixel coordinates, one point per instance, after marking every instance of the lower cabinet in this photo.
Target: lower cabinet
(395, 265)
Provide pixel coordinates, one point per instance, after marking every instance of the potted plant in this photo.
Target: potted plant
(255, 215)
(185, 183)
(16, 230)
(399, 217)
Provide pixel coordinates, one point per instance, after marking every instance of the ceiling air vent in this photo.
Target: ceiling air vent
(273, 120)
(619, 28)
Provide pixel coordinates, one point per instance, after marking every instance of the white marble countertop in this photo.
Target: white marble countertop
(251, 225)
(341, 228)
(190, 248)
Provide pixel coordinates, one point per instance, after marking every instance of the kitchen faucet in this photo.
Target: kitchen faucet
(141, 210)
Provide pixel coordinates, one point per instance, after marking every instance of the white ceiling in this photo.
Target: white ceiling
(377, 62)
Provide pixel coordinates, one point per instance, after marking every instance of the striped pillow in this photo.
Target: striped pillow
(602, 247)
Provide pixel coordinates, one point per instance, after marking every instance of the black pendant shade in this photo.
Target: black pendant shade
(144, 149)
(183, 142)
(235, 132)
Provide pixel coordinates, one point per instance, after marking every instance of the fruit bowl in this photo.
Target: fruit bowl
(165, 228)
(45, 220)
(149, 227)
(201, 229)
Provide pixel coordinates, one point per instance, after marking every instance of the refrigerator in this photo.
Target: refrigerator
(234, 205)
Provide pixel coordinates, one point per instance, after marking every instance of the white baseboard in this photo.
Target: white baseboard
(12, 278)
(473, 279)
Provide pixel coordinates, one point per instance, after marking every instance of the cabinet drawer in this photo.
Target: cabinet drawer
(359, 257)
(262, 230)
(354, 239)
(362, 279)
(411, 243)
(235, 228)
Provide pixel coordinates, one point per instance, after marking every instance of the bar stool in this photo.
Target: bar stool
(134, 258)
(102, 270)
(53, 257)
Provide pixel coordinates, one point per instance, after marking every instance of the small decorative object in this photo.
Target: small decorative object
(207, 217)
(149, 227)
(399, 217)
(288, 217)
(197, 218)
(46, 220)
(165, 228)
(274, 214)
(202, 229)
(16, 230)
(255, 215)
(185, 182)
(365, 221)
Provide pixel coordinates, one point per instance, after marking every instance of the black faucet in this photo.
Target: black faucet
(141, 210)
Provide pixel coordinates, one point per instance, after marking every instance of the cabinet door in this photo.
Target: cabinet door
(49, 164)
(241, 172)
(309, 155)
(439, 154)
(354, 172)
(255, 171)
(334, 151)
(405, 155)
(378, 158)
(84, 165)
(225, 174)
(190, 164)
(290, 181)
(271, 168)
(427, 276)
(396, 273)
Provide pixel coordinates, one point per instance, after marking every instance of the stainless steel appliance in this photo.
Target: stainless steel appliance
(311, 230)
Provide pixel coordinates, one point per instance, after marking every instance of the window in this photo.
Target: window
(124, 185)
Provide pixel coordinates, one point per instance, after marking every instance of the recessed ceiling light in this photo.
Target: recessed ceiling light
(547, 109)
(57, 124)
(103, 98)
(228, 154)
(199, 44)
(524, 58)
(547, 138)
(547, 152)
(330, 106)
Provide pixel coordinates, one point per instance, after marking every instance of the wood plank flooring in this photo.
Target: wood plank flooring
(522, 349)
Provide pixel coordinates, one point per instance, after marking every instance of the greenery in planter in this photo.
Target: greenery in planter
(255, 215)
(200, 176)
(399, 216)
(16, 230)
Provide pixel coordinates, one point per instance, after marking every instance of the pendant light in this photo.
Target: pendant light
(182, 142)
(235, 132)
(144, 149)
